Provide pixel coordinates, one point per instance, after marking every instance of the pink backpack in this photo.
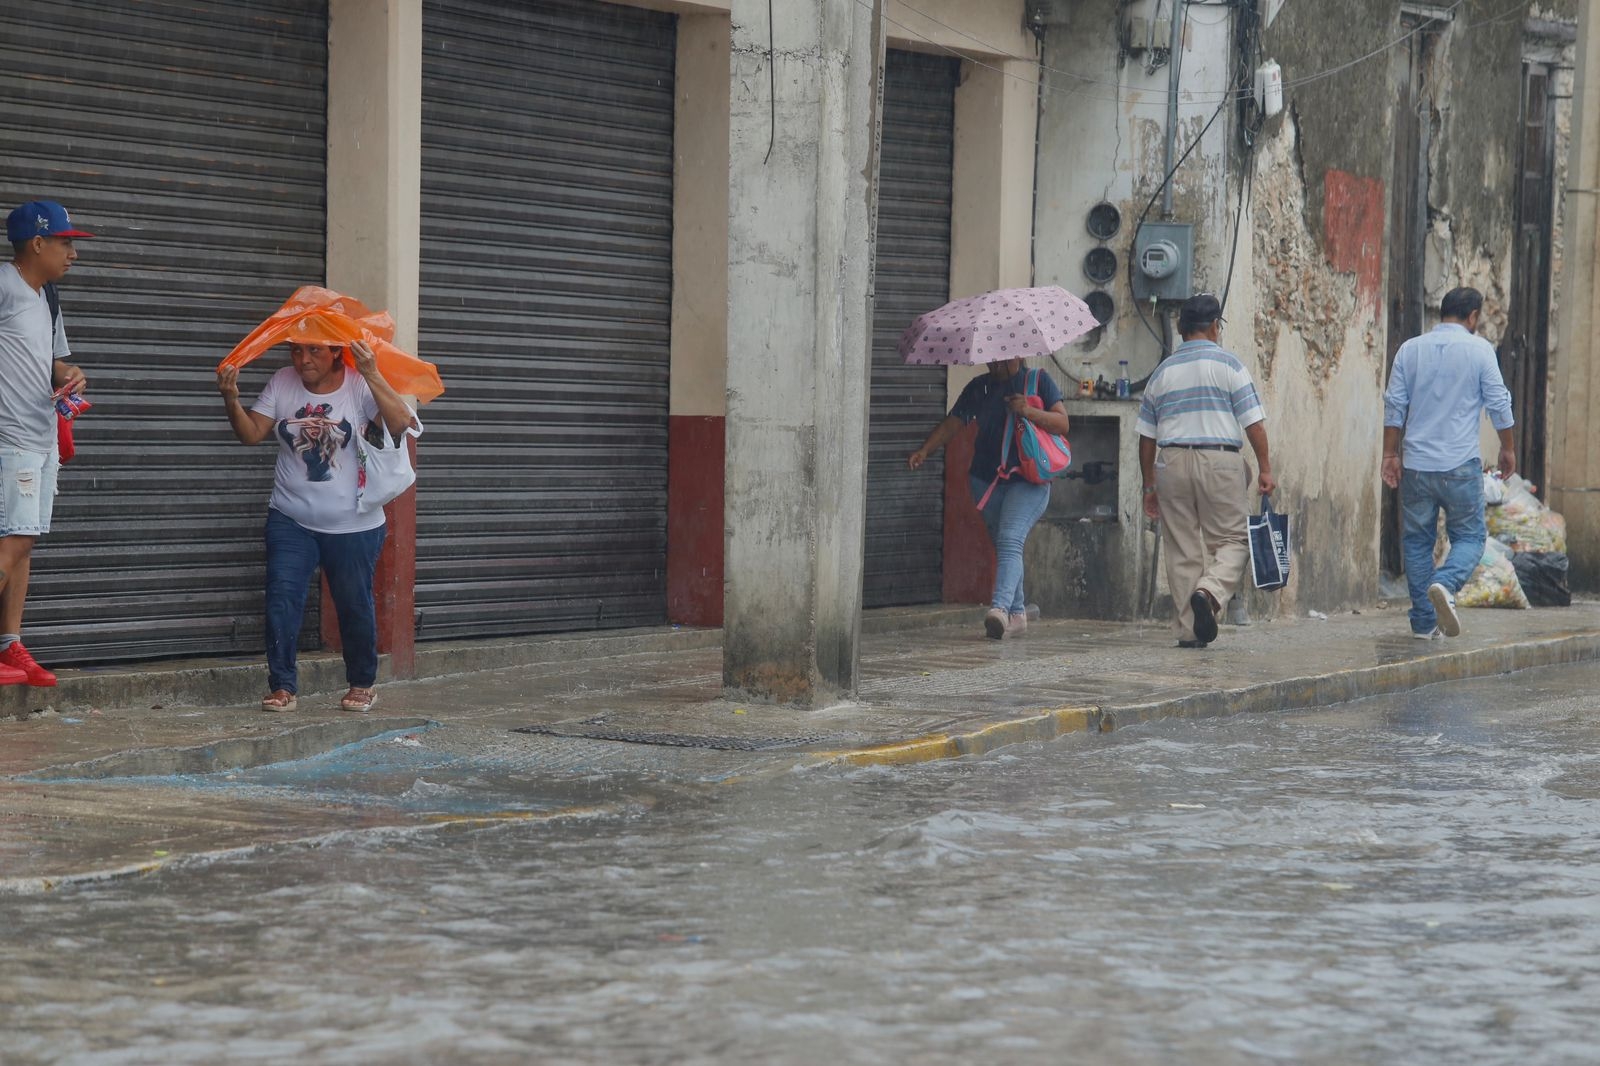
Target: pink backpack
(1041, 457)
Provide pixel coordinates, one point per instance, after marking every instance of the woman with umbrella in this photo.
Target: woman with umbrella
(337, 387)
(1000, 329)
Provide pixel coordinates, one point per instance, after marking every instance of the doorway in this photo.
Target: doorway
(1525, 349)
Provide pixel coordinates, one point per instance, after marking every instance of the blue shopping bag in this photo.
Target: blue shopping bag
(1269, 547)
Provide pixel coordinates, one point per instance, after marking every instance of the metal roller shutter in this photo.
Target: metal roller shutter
(905, 509)
(191, 138)
(546, 301)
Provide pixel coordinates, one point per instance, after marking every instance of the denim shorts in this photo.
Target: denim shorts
(27, 492)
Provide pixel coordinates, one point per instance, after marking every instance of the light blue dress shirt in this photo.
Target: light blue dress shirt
(1440, 381)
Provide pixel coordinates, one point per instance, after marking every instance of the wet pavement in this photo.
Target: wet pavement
(1411, 878)
(91, 792)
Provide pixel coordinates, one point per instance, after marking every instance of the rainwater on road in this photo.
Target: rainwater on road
(1402, 880)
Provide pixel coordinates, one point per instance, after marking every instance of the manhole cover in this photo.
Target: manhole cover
(677, 740)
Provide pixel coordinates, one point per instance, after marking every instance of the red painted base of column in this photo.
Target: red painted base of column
(969, 560)
(695, 449)
(394, 588)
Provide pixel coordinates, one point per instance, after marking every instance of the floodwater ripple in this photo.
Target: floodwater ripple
(1412, 879)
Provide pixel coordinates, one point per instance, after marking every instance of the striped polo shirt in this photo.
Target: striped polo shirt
(1199, 395)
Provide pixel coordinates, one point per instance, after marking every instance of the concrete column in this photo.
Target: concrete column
(799, 255)
(374, 238)
(1574, 487)
(695, 431)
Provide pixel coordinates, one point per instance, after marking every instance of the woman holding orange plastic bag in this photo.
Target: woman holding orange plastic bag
(315, 408)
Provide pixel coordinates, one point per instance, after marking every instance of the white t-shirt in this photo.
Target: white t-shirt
(29, 345)
(317, 465)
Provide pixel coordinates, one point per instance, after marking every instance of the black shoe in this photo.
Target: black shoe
(1191, 643)
(1205, 619)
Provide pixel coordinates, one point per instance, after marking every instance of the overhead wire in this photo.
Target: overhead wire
(1158, 96)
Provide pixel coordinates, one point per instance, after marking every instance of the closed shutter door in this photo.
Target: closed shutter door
(191, 138)
(546, 302)
(905, 508)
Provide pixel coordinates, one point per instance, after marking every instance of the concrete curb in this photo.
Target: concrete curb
(1289, 694)
(242, 680)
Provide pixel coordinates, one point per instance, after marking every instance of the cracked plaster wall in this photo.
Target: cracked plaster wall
(1310, 314)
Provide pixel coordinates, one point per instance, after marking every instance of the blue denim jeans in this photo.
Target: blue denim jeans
(1423, 494)
(1013, 509)
(349, 561)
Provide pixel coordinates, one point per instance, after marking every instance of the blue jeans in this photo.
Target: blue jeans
(1013, 509)
(1423, 493)
(349, 561)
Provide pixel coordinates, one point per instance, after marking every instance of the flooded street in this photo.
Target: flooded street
(1405, 879)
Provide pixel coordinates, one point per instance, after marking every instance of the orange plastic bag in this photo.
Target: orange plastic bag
(321, 316)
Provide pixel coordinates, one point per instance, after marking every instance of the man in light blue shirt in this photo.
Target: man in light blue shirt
(1439, 384)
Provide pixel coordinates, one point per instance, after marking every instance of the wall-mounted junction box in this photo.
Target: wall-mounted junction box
(1163, 255)
(1142, 35)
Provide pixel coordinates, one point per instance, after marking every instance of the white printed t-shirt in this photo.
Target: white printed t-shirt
(317, 465)
(29, 345)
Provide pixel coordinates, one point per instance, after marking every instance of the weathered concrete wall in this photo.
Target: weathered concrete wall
(1101, 137)
(1320, 205)
(799, 256)
(1307, 306)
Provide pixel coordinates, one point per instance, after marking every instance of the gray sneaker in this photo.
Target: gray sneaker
(994, 623)
(1444, 605)
(1432, 634)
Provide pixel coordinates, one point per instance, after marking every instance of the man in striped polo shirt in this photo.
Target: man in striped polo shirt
(1199, 407)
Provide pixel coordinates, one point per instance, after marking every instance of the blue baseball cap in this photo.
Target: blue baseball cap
(40, 218)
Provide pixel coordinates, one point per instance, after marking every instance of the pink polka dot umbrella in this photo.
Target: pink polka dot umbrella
(1004, 324)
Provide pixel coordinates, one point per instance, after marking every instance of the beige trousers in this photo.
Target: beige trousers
(1204, 514)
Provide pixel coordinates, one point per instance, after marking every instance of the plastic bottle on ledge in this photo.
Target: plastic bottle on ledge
(1086, 382)
(1123, 388)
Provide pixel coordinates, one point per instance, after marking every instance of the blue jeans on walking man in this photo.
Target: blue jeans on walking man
(1423, 494)
(349, 561)
(1013, 509)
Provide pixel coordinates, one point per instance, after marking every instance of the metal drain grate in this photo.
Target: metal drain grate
(677, 740)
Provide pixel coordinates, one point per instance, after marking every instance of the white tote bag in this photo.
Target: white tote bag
(383, 472)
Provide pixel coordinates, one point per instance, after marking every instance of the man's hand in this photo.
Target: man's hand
(366, 361)
(70, 378)
(1391, 471)
(1508, 462)
(1152, 506)
(1266, 483)
(916, 459)
(228, 382)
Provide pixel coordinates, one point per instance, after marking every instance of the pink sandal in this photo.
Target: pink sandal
(279, 700)
(358, 699)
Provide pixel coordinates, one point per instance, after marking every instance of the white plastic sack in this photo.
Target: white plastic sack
(1524, 523)
(1494, 490)
(384, 471)
(1494, 583)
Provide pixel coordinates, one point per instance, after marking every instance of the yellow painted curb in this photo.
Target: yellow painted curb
(1040, 725)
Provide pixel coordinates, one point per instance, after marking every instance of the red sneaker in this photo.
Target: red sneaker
(16, 660)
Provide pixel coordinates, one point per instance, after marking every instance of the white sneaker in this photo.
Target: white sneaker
(1444, 605)
(1432, 634)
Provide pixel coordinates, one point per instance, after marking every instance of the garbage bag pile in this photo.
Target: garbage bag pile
(1524, 524)
(1494, 583)
(1543, 576)
(1528, 535)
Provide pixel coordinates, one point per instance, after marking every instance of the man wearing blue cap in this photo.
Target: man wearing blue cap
(33, 365)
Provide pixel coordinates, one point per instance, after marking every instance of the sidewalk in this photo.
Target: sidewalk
(131, 770)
